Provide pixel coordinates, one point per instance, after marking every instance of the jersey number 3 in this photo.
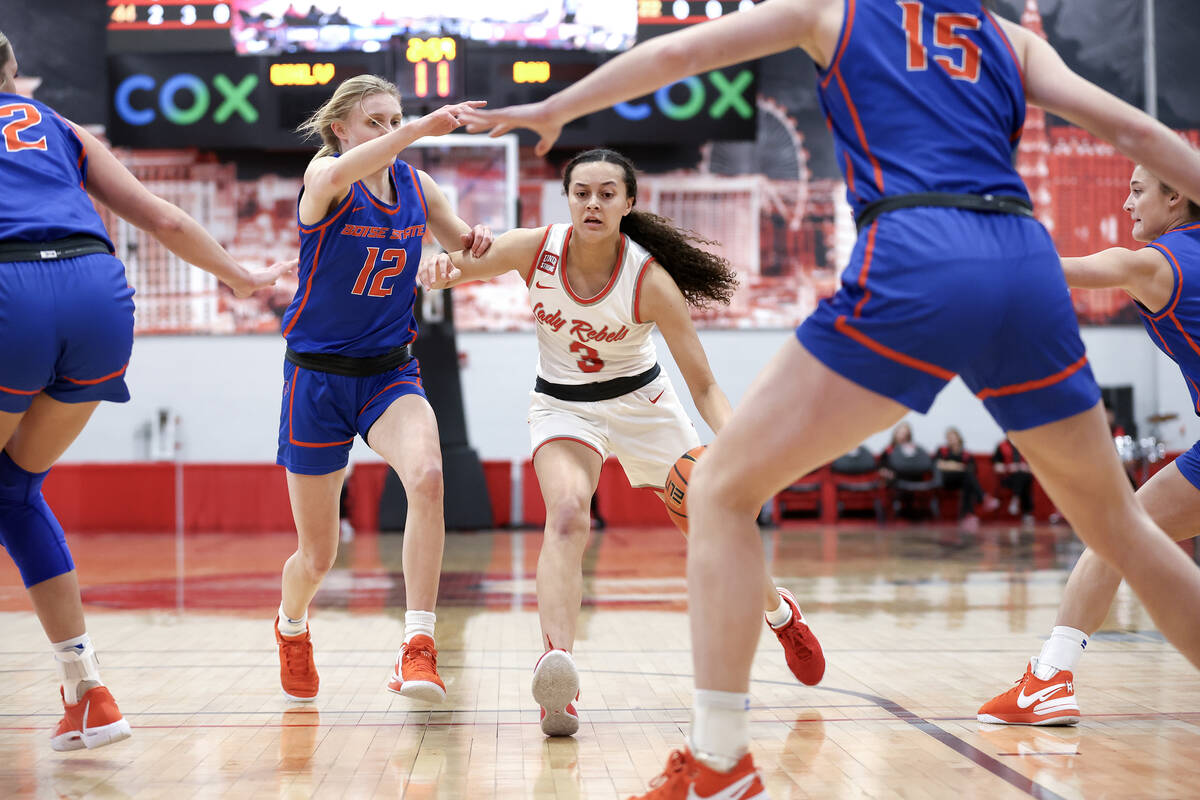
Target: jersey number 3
(589, 357)
(964, 66)
(30, 116)
(377, 288)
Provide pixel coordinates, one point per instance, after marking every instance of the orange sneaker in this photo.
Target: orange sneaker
(1033, 701)
(297, 670)
(685, 778)
(92, 722)
(803, 652)
(555, 686)
(416, 674)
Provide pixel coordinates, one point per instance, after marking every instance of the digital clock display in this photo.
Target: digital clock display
(148, 26)
(428, 70)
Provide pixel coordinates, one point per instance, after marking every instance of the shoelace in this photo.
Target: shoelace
(677, 764)
(295, 657)
(411, 655)
(794, 636)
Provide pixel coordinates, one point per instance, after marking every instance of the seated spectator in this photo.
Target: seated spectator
(909, 469)
(1013, 471)
(957, 469)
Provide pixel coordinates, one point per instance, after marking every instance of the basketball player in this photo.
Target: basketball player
(1162, 280)
(66, 323)
(349, 370)
(950, 274)
(598, 288)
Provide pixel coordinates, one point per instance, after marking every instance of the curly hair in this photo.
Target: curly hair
(704, 278)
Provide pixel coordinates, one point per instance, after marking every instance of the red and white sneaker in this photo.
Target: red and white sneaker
(555, 688)
(416, 675)
(92, 722)
(803, 652)
(1033, 701)
(686, 778)
(297, 670)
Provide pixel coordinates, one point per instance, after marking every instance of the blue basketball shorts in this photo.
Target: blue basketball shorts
(931, 293)
(322, 412)
(1189, 465)
(66, 328)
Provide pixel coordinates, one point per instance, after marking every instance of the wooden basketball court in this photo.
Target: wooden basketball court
(919, 625)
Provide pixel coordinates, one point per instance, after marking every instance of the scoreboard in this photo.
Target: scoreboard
(169, 26)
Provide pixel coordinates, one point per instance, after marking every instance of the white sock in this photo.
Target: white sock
(292, 627)
(781, 616)
(720, 728)
(1061, 651)
(417, 622)
(78, 668)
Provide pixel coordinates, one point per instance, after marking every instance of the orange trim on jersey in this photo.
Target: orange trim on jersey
(94, 381)
(862, 134)
(1029, 386)
(82, 147)
(1170, 309)
(307, 284)
(545, 442)
(420, 191)
(893, 355)
(20, 391)
(1196, 392)
(291, 438)
(850, 174)
(612, 279)
(416, 383)
(1020, 73)
(322, 225)
(384, 207)
(1162, 341)
(1184, 334)
(847, 24)
(637, 288)
(866, 267)
(537, 257)
(1194, 226)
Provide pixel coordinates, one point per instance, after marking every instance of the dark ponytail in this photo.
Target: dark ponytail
(702, 277)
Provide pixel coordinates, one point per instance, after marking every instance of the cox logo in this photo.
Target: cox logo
(730, 95)
(234, 99)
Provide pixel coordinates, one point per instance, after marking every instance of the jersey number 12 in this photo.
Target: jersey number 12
(377, 289)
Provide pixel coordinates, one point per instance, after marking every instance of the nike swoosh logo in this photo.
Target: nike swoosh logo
(87, 707)
(734, 791)
(541, 285)
(1026, 700)
(357, 208)
(660, 394)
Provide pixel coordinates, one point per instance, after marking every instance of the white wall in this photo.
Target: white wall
(226, 389)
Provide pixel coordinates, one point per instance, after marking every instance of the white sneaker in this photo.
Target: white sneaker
(555, 687)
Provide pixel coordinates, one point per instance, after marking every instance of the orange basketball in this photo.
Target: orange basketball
(675, 491)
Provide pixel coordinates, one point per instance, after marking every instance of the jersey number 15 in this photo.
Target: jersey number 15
(964, 66)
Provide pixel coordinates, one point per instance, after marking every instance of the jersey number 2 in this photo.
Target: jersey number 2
(946, 36)
(589, 359)
(377, 288)
(30, 116)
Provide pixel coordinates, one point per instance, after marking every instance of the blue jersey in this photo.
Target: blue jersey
(43, 175)
(1176, 328)
(358, 270)
(923, 96)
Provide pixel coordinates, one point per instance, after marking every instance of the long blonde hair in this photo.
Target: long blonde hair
(5, 50)
(346, 96)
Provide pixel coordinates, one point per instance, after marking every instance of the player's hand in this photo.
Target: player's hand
(477, 240)
(533, 116)
(437, 271)
(257, 279)
(448, 117)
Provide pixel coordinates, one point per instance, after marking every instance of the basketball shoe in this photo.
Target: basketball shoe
(416, 674)
(555, 688)
(297, 670)
(1033, 701)
(803, 652)
(92, 722)
(686, 778)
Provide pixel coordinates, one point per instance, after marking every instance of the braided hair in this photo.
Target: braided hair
(703, 277)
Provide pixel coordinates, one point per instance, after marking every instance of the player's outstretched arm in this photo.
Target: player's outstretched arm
(1051, 84)
(759, 31)
(662, 303)
(1145, 274)
(328, 179)
(115, 186)
(514, 250)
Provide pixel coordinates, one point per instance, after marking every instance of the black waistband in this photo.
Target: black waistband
(69, 247)
(348, 365)
(971, 202)
(600, 390)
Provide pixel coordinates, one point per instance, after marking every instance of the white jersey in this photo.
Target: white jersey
(595, 339)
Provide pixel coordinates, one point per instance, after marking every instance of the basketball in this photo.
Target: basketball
(675, 490)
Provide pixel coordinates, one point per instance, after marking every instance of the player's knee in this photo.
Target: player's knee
(28, 530)
(318, 561)
(712, 485)
(567, 515)
(425, 484)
